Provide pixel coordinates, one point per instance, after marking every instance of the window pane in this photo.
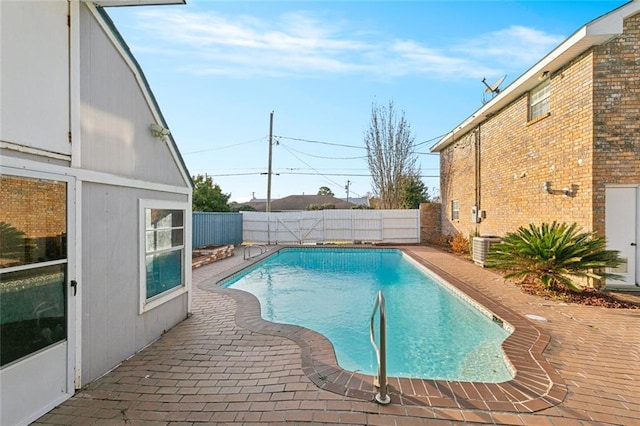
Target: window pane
(33, 221)
(163, 239)
(32, 311)
(539, 100)
(158, 240)
(160, 218)
(164, 272)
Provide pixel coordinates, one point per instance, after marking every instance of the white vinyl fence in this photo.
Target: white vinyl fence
(328, 226)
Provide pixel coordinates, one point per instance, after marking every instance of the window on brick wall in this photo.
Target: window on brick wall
(539, 100)
(455, 210)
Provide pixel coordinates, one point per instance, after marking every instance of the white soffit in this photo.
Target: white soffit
(594, 33)
(109, 3)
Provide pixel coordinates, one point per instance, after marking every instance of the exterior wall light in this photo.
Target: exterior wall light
(158, 131)
(569, 192)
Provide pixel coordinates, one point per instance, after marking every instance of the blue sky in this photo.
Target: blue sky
(219, 68)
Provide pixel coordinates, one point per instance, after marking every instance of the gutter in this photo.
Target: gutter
(596, 32)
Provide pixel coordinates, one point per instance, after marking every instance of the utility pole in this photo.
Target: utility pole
(347, 188)
(269, 168)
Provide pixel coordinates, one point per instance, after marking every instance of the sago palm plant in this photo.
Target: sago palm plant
(553, 254)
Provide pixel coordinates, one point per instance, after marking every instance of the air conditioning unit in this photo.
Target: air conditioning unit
(481, 246)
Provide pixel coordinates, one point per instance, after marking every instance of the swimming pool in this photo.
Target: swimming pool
(431, 332)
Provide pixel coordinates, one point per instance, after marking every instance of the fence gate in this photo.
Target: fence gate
(326, 226)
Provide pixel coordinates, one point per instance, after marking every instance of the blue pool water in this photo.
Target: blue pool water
(431, 332)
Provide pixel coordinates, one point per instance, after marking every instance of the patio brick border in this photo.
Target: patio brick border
(536, 385)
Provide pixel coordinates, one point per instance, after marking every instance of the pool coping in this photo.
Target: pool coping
(536, 385)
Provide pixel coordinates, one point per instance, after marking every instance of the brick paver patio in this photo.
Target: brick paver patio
(224, 365)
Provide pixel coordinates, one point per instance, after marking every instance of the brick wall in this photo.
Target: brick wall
(590, 139)
(518, 156)
(617, 114)
(457, 182)
(430, 222)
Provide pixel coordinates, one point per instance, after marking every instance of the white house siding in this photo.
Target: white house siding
(34, 81)
(116, 114)
(110, 294)
(90, 108)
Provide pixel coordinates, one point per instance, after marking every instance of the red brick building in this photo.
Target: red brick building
(561, 143)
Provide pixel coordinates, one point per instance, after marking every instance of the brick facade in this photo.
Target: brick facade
(590, 138)
(616, 97)
(430, 222)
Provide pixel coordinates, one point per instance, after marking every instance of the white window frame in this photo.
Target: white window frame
(46, 357)
(455, 210)
(539, 103)
(149, 304)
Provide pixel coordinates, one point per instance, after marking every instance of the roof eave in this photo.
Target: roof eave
(596, 32)
(117, 38)
(110, 3)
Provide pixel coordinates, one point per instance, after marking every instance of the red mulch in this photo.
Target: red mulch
(589, 296)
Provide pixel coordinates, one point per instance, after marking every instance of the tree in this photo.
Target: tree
(323, 206)
(325, 190)
(413, 192)
(207, 196)
(237, 207)
(553, 255)
(390, 154)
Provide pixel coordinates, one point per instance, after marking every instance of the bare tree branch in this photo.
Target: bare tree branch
(390, 154)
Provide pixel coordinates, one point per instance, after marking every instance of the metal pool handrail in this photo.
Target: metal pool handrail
(247, 249)
(381, 352)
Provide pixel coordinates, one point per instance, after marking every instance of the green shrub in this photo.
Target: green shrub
(554, 255)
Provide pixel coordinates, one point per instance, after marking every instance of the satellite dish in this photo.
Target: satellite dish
(495, 87)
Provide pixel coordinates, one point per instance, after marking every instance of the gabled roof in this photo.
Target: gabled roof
(594, 33)
(139, 74)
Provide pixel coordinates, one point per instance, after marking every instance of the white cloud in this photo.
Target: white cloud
(421, 59)
(300, 44)
(514, 46)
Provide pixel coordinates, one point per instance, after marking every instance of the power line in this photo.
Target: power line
(224, 147)
(320, 142)
(431, 140)
(326, 174)
(354, 146)
(317, 173)
(310, 141)
(308, 165)
(326, 158)
(234, 174)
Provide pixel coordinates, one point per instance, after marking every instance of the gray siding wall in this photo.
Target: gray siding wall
(115, 114)
(112, 329)
(34, 75)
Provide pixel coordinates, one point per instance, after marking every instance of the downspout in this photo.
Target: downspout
(478, 182)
